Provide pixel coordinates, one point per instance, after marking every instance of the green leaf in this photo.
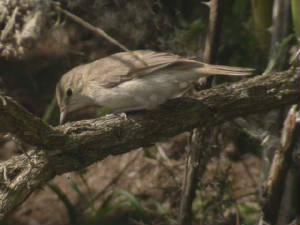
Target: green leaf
(131, 199)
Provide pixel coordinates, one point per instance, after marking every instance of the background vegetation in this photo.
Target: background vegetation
(144, 186)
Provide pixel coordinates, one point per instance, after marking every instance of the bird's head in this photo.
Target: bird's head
(71, 95)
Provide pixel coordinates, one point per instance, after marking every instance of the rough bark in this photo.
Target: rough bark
(197, 158)
(282, 161)
(78, 144)
(199, 144)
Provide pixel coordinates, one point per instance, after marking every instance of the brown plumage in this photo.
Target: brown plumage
(122, 82)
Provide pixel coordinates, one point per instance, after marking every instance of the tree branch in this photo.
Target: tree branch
(274, 186)
(78, 144)
(32, 130)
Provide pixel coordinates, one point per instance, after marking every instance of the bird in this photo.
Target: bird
(130, 81)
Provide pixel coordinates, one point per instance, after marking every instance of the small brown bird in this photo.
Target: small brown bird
(123, 83)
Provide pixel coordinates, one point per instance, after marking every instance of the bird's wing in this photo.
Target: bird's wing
(120, 67)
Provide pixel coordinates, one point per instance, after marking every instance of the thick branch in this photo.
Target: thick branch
(79, 144)
(18, 121)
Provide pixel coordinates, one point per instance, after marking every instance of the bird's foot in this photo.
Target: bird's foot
(123, 116)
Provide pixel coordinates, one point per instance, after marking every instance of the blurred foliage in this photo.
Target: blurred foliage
(171, 25)
(110, 210)
(216, 201)
(249, 213)
(238, 43)
(295, 14)
(262, 17)
(72, 214)
(280, 48)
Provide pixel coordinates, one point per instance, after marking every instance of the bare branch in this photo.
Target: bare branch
(198, 150)
(196, 161)
(214, 30)
(98, 32)
(78, 144)
(274, 185)
(17, 120)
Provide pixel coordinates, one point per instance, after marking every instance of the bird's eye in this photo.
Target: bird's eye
(69, 92)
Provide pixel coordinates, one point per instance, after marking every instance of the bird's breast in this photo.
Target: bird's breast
(145, 92)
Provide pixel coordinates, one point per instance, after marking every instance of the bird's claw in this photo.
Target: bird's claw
(123, 116)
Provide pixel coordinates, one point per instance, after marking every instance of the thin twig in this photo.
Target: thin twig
(116, 178)
(50, 110)
(213, 35)
(97, 31)
(73, 218)
(9, 25)
(238, 214)
(247, 170)
(169, 168)
(197, 157)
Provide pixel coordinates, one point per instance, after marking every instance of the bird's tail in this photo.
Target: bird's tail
(223, 70)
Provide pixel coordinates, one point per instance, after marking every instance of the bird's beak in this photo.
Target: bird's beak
(62, 118)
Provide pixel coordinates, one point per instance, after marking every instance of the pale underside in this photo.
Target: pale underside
(122, 83)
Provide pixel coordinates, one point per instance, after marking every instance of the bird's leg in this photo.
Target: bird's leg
(131, 109)
(123, 115)
(122, 112)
